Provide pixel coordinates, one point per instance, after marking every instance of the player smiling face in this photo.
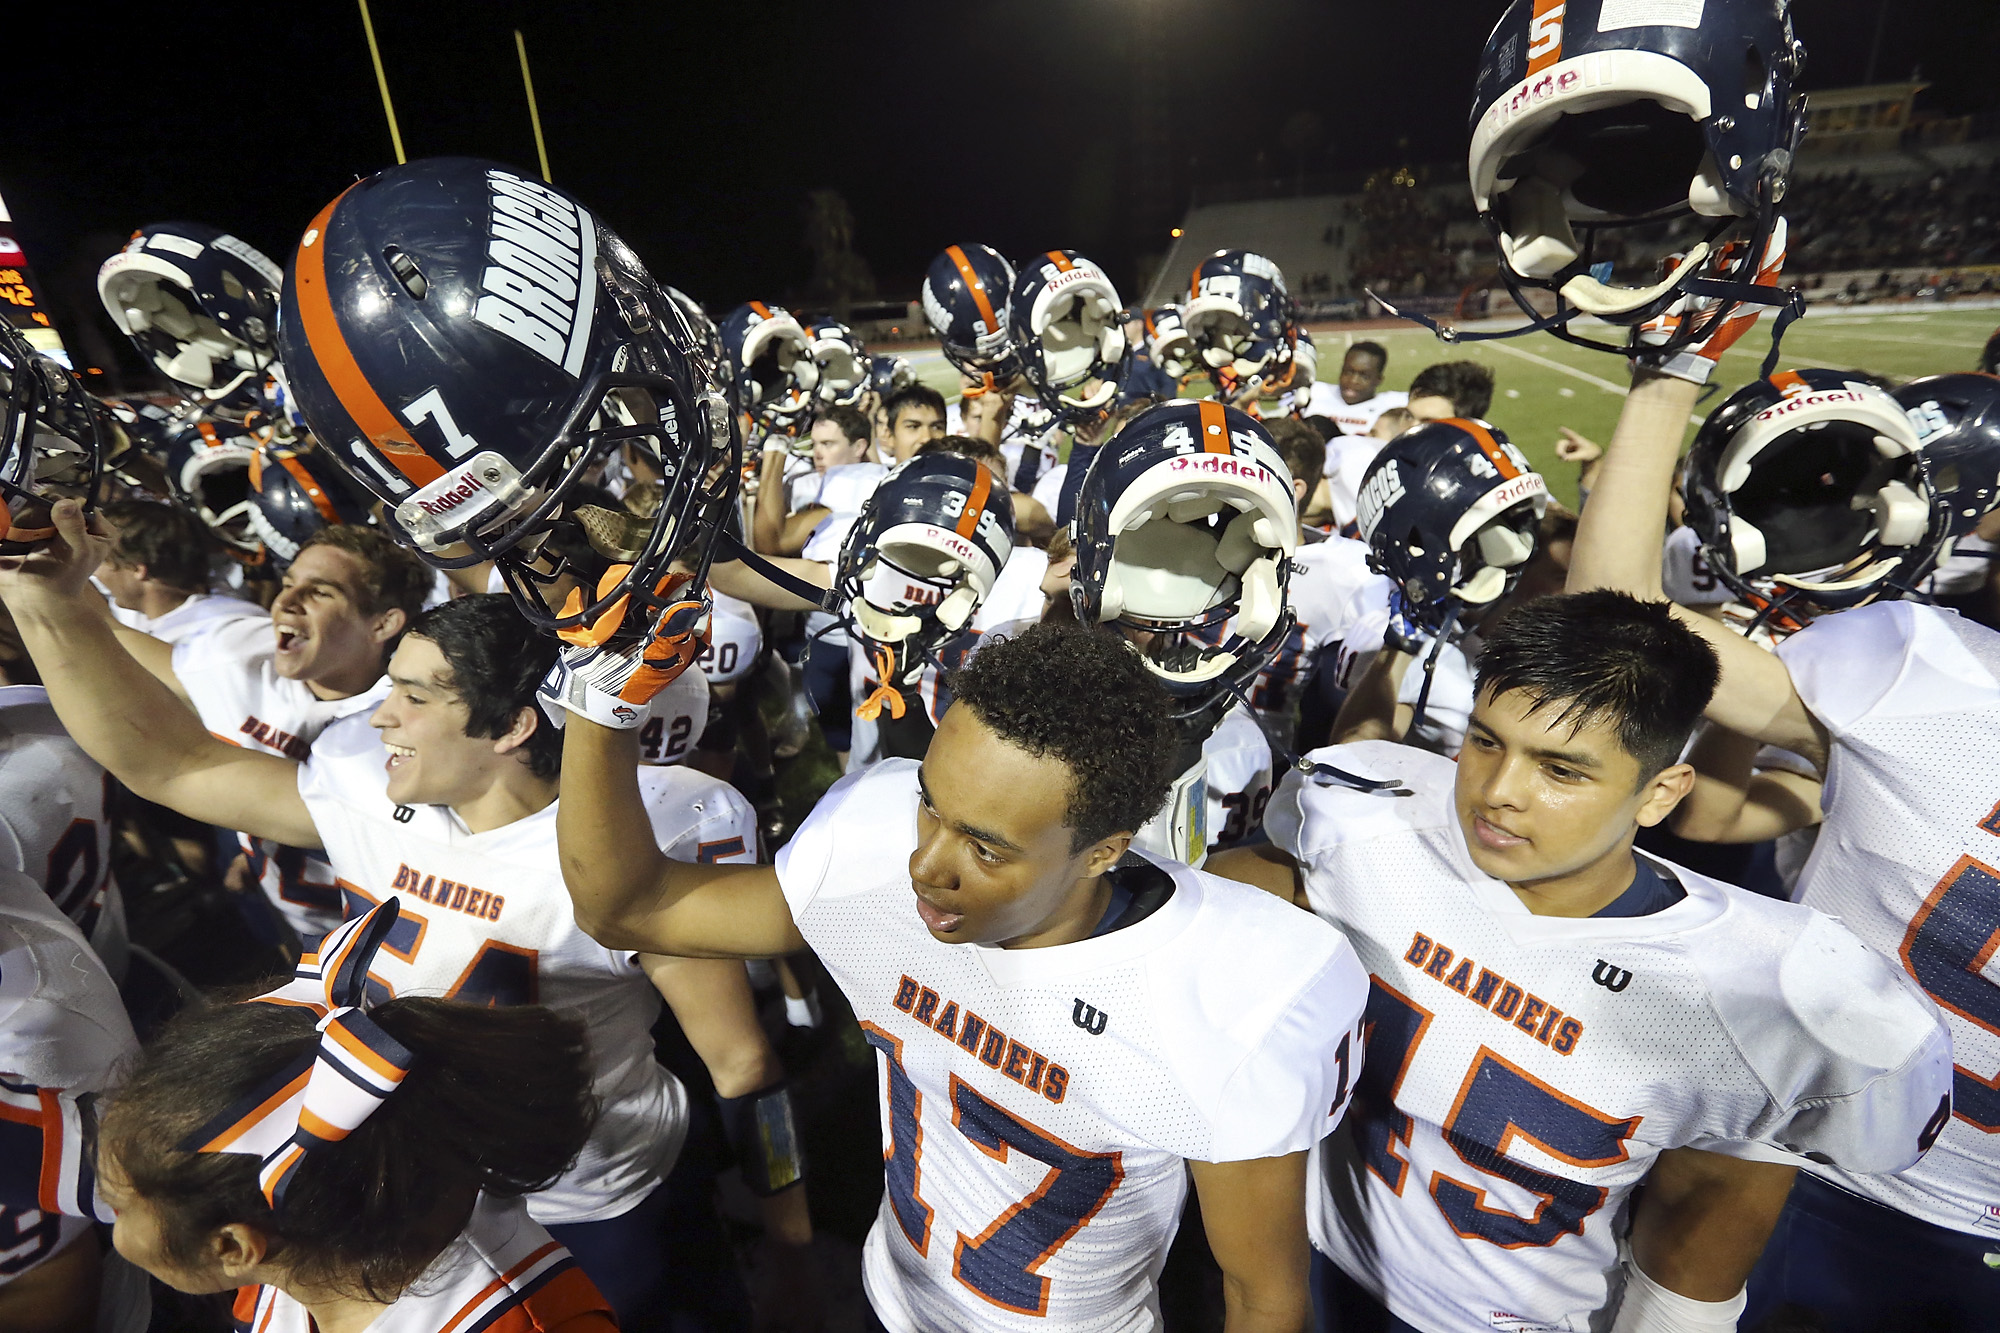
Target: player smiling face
(433, 758)
(325, 634)
(995, 862)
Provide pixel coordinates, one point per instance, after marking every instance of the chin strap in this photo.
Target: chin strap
(1327, 775)
(826, 599)
(1430, 665)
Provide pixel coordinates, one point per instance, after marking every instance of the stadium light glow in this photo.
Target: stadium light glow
(1176, 233)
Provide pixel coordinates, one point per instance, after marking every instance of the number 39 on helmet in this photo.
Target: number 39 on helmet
(471, 345)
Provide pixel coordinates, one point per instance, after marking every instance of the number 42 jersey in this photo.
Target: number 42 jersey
(1038, 1104)
(1525, 1071)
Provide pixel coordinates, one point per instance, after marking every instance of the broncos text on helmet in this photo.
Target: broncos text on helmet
(1448, 510)
(293, 494)
(472, 344)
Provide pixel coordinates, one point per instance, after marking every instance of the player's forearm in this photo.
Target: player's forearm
(767, 522)
(1619, 535)
(1722, 773)
(800, 527)
(121, 715)
(1369, 711)
(153, 654)
(740, 581)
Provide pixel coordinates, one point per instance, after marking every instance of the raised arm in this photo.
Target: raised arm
(156, 655)
(740, 581)
(1733, 802)
(626, 892)
(1618, 543)
(121, 715)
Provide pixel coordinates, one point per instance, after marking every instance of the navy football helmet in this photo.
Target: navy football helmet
(1185, 527)
(965, 302)
(921, 558)
(1958, 427)
(771, 366)
(1588, 120)
(1168, 345)
(843, 362)
(886, 374)
(202, 308)
(1448, 510)
(208, 466)
(1241, 321)
(703, 344)
(1810, 492)
(471, 343)
(293, 494)
(53, 442)
(1069, 331)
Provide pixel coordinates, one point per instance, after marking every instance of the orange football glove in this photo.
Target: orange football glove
(615, 687)
(1697, 361)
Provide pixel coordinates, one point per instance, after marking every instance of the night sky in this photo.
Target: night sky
(696, 130)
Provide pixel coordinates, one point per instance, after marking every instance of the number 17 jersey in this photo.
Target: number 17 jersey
(1038, 1104)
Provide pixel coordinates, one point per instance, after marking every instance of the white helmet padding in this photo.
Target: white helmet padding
(144, 292)
(1509, 159)
(1166, 572)
(917, 565)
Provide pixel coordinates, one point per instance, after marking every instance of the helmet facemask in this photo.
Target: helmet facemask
(52, 444)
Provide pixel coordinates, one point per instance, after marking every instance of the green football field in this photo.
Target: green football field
(1542, 384)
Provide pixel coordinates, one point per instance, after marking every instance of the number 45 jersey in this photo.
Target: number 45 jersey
(1038, 1104)
(1524, 1071)
(1909, 857)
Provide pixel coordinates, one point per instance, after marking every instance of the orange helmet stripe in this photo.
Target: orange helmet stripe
(1214, 426)
(378, 425)
(1487, 445)
(1789, 382)
(976, 287)
(975, 504)
(1056, 258)
(1545, 35)
(310, 485)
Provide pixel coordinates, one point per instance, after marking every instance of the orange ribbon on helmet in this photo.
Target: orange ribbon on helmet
(885, 695)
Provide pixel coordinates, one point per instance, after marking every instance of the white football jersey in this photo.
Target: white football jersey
(1685, 577)
(1325, 577)
(734, 639)
(1017, 593)
(1352, 418)
(485, 918)
(1909, 856)
(675, 720)
(1524, 1071)
(230, 675)
(1347, 460)
(63, 1034)
(53, 826)
(504, 1274)
(1239, 776)
(1034, 1131)
(197, 615)
(1048, 488)
(1448, 711)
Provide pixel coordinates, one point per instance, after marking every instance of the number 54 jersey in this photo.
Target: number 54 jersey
(1038, 1104)
(485, 919)
(1524, 1071)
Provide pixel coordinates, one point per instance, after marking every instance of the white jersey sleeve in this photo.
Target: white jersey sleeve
(1239, 778)
(677, 718)
(735, 639)
(698, 818)
(1684, 573)
(53, 826)
(1448, 711)
(1908, 858)
(1017, 593)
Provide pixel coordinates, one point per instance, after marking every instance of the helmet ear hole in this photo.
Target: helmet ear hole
(406, 271)
(1756, 78)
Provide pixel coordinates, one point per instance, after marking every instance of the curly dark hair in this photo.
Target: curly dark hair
(497, 660)
(498, 1100)
(1082, 696)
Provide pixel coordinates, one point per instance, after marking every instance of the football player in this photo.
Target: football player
(64, 1038)
(1065, 1031)
(1451, 389)
(272, 685)
(157, 574)
(443, 798)
(914, 414)
(1555, 1019)
(1354, 400)
(1893, 700)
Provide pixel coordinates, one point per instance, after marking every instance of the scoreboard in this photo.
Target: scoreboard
(20, 295)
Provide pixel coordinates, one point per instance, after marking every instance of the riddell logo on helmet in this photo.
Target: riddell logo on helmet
(1805, 400)
(1071, 277)
(462, 488)
(542, 253)
(1221, 465)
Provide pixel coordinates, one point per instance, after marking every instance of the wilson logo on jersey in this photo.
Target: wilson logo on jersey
(1613, 979)
(449, 893)
(268, 736)
(1089, 1017)
(1495, 994)
(539, 286)
(995, 1049)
